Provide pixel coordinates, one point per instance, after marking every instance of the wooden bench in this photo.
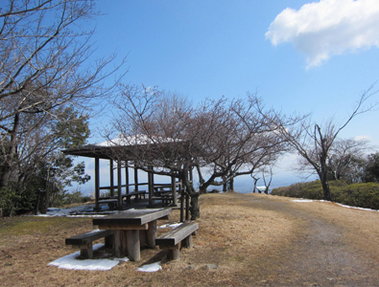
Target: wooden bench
(172, 239)
(84, 241)
(137, 195)
(166, 199)
(112, 202)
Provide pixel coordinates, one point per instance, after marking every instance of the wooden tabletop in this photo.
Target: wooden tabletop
(132, 217)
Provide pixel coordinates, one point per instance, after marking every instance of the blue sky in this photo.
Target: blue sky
(300, 56)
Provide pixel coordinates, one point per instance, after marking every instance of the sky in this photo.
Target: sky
(299, 56)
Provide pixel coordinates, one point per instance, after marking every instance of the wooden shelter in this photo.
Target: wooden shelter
(121, 153)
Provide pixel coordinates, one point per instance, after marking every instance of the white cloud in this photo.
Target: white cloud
(328, 27)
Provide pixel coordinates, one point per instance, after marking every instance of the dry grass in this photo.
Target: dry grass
(243, 236)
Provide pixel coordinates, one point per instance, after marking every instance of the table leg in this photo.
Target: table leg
(151, 234)
(133, 245)
(119, 243)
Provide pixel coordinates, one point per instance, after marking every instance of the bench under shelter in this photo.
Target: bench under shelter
(119, 154)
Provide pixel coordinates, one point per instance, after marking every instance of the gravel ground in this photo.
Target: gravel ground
(326, 250)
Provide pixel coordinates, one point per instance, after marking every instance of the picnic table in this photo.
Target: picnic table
(132, 230)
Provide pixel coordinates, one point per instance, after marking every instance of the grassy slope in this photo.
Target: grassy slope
(229, 230)
(251, 239)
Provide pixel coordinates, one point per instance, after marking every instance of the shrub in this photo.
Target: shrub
(85, 199)
(364, 195)
(7, 199)
(359, 194)
(310, 190)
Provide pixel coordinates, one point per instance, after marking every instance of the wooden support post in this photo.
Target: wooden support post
(181, 203)
(187, 194)
(151, 234)
(135, 177)
(127, 181)
(173, 190)
(150, 179)
(119, 183)
(97, 184)
(133, 245)
(111, 177)
(187, 205)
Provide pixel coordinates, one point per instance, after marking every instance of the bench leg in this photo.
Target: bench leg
(187, 242)
(173, 252)
(86, 251)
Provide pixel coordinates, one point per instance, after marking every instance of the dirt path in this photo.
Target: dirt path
(321, 254)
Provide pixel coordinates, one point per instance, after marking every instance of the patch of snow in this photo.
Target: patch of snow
(52, 211)
(340, 204)
(174, 225)
(355, 207)
(69, 262)
(154, 267)
(141, 211)
(77, 211)
(302, 200)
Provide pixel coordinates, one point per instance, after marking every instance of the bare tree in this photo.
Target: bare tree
(219, 139)
(314, 143)
(267, 183)
(46, 69)
(347, 159)
(255, 178)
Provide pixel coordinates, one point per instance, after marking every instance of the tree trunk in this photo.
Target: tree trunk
(325, 184)
(37, 205)
(11, 209)
(10, 153)
(195, 208)
(224, 187)
(255, 183)
(323, 174)
(4, 175)
(326, 189)
(231, 184)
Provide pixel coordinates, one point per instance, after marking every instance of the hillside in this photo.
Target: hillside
(243, 240)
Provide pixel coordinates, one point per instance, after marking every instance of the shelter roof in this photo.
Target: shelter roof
(120, 145)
